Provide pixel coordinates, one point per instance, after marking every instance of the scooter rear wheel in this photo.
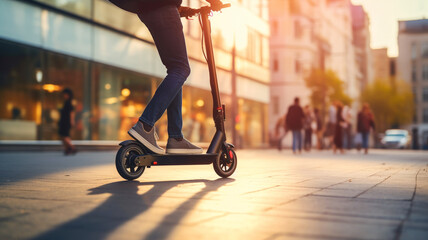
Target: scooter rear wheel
(125, 164)
(226, 163)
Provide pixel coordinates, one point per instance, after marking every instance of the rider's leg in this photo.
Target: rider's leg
(167, 31)
(175, 119)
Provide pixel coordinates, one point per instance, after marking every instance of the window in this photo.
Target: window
(121, 97)
(253, 51)
(80, 7)
(106, 13)
(414, 75)
(392, 70)
(425, 71)
(298, 31)
(414, 51)
(275, 64)
(275, 102)
(425, 116)
(265, 51)
(297, 67)
(415, 96)
(31, 81)
(425, 94)
(274, 27)
(313, 34)
(425, 50)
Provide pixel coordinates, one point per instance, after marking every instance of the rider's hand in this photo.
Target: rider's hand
(185, 11)
(216, 5)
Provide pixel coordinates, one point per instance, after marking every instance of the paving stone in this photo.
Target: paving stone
(389, 193)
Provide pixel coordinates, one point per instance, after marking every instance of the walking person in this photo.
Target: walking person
(365, 122)
(66, 122)
(347, 127)
(319, 129)
(338, 134)
(331, 125)
(307, 125)
(162, 18)
(294, 121)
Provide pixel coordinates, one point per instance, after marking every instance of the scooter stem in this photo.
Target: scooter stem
(218, 111)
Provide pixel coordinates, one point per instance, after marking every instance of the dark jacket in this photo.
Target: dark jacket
(295, 117)
(364, 123)
(140, 6)
(65, 115)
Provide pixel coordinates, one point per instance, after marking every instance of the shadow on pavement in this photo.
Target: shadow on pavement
(124, 204)
(15, 166)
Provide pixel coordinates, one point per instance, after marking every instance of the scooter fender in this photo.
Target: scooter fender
(128, 142)
(229, 145)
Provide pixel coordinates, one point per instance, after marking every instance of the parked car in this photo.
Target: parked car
(396, 138)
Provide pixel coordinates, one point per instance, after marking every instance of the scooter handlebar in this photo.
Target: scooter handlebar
(190, 12)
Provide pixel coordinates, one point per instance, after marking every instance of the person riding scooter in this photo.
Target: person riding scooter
(162, 18)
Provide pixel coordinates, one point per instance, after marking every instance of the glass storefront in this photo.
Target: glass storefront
(80, 7)
(20, 92)
(251, 123)
(30, 94)
(107, 100)
(120, 96)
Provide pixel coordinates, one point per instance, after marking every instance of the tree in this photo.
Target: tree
(326, 87)
(391, 102)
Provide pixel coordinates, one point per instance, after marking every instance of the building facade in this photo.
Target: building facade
(309, 34)
(107, 57)
(293, 53)
(337, 29)
(361, 38)
(412, 66)
(381, 64)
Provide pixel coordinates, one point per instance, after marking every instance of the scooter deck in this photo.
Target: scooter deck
(175, 159)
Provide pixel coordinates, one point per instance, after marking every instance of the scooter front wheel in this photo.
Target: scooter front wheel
(125, 164)
(225, 164)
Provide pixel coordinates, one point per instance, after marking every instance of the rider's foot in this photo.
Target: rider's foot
(147, 138)
(181, 146)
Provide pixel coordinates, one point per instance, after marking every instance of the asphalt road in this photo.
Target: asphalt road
(272, 195)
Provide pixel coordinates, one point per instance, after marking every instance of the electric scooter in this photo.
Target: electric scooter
(133, 157)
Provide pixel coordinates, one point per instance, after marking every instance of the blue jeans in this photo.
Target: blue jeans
(166, 29)
(365, 139)
(297, 140)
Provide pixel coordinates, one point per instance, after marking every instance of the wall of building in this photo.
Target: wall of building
(412, 66)
(381, 64)
(293, 52)
(361, 39)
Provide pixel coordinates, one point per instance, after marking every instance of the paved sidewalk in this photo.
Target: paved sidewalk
(272, 195)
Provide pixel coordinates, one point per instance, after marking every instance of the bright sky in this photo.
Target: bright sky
(384, 16)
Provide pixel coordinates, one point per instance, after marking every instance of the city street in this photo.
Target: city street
(272, 195)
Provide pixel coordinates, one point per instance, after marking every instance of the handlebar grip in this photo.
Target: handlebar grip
(226, 5)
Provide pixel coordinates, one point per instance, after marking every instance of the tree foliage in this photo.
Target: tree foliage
(391, 102)
(326, 87)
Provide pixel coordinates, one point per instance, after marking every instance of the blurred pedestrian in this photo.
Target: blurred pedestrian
(307, 126)
(280, 131)
(319, 128)
(338, 134)
(365, 122)
(331, 124)
(66, 121)
(294, 121)
(347, 127)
